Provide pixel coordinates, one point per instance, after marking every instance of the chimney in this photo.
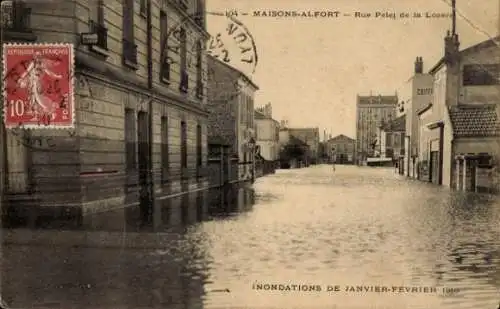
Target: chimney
(451, 41)
(451, 48)
(419, 65)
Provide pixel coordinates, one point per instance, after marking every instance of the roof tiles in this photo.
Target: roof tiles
(469, 121)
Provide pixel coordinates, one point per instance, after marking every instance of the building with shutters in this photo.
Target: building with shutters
(140, 102)
(231, 103)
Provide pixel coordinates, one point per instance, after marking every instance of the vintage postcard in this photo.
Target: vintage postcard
(230, 154)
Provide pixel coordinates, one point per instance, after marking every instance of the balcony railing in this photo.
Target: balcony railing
(183, 86)
(102, 34)
(16, 21)
(199, 89)
(199, 20)
(165, 70)
(129, 53)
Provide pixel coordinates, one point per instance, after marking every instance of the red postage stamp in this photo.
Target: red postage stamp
(38, 86)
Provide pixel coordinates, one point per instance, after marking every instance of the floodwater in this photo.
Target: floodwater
(357, 238)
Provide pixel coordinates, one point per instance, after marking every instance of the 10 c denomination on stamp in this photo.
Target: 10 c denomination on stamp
(38, 86)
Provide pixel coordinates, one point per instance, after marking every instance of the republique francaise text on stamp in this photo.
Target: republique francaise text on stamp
(38, 86)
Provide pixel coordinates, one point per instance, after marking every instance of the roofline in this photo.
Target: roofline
(400, 117)
(258, 112)
(437, 66)
(248, 79)
(310, 128)
(339, 135)
(483, 44)
(423, 110)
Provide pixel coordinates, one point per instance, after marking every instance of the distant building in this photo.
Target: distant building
(310, 136)
(370, 111)
(417, 94)
(267, 133)
(391, 140)
(231, 105)
(344, 148)
(283, 136)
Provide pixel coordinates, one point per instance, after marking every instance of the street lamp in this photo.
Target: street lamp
(251, 146)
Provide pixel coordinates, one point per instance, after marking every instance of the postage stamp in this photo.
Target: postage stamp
(38, 86)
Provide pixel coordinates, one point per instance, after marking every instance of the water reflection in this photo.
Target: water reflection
(119, 259)
(228, 202)
(358, 227)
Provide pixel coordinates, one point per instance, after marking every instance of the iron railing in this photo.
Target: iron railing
(102, 34)
(165, 70)
(184, 83)
(129, 52)
(199, 89)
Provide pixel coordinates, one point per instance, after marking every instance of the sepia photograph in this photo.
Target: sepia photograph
(250, 154)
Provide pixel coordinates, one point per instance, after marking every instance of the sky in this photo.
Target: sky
(311, 69)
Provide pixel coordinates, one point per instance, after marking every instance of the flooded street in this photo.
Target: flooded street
(358, 228)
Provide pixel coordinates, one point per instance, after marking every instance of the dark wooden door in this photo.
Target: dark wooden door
(434, 168)
(143, 163)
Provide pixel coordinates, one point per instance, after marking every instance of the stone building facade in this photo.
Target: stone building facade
(231, 104)
(141, 119)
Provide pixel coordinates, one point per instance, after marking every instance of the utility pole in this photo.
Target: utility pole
(453, 18)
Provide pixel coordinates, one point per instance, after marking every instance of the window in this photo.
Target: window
(143, 145)
(165, 65)
(481, 74)
(183, 87)
(183, 144)
(199, 16)
(130, 140)
(199, 69)
(164, 149)
(144, 7)
(199, 158)
(250, 111)
(183, 55)
(396, 139)
(129, 47)
(97, 24)
(388, 139)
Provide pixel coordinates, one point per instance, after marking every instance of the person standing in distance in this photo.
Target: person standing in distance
(334, 158)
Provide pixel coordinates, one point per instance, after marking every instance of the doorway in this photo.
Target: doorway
(434, 168)
(143, 164)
